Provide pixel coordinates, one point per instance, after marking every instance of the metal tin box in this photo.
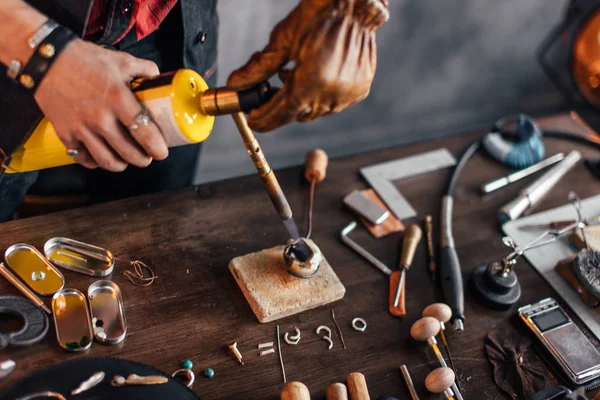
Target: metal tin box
(32, 268)
(79, 257)
(72, 320)
(108, 316)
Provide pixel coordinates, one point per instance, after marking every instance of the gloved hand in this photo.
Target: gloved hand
(332, 44)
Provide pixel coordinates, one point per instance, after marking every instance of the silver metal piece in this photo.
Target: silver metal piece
(359, 324)
(293, 340)
(89, 383)
(280, 356)
(380, 177)
(80, 257)
(446, 238)
(516, 176)
(302, 258)
(14, 69)
(458, 325)
(7, 367)
(108, 315)
(344, 235)
(265, 352)
(265, 345)
(42, 395)
(399, 288)
(533, 193)
(366, 207)
(38, 275)
(73, 153)
(327, 337)
(42, 33)
(409, 383)
(189, 375)
(143, 118)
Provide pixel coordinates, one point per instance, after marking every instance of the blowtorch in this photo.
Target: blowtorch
(184, 108)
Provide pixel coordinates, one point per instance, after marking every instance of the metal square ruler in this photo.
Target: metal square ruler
(381, 177)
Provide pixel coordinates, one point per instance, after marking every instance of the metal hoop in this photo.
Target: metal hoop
(189, 374)
(360, 328)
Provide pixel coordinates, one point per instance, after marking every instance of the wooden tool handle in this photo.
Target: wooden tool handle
(316, 165)
(336, 391)
(399, 311)
(357, 386)
(295, 391)
(412, 237)
(439, 380)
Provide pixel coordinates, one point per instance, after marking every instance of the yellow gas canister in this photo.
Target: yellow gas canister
(180, 103)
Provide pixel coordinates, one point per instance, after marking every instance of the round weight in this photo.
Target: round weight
(35, 322)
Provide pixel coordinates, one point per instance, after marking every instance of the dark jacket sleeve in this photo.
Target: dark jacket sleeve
(18, 110)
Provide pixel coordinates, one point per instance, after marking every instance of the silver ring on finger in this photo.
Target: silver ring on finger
(143, 118)
(73, 153)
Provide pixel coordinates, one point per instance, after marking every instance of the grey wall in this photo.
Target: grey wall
(445, 66)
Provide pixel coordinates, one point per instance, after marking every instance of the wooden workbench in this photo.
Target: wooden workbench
(195, 309)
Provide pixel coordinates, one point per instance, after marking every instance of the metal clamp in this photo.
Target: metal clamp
(354, 246)
(327, 337)
(292, 340)
(359, 324)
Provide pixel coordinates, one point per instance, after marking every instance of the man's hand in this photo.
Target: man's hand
(86, 96)
(332, 43)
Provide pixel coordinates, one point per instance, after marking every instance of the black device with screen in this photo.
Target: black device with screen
(570, 350)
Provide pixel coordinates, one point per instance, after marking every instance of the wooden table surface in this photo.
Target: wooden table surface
(195, 309)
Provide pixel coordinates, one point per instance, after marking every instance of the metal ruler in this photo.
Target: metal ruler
(381, 177)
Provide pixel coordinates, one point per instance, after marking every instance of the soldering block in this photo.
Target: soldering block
(273, 293)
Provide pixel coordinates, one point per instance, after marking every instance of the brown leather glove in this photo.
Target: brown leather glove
(332, 43)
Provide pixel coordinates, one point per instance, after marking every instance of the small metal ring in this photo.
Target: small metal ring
(293, 340)
(360, 328)
(325, 328)
(189, 374)
(73, 153)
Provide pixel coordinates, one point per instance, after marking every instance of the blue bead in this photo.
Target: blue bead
(188, 364)
(209, 373)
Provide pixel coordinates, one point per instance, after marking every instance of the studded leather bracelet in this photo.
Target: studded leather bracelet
(44, 55)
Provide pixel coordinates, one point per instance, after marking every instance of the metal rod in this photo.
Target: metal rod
(280, 356)
(265, 172)
(430, 247)
(338, 328)
(515, 176)
(23, 289)
(354, 246)
(445, 342)
(409, 383)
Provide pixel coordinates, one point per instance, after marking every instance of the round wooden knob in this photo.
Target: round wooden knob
(316, 165)
(439, 380)
(439, 311)
(425, 328)
(336, 391)
(295, 391)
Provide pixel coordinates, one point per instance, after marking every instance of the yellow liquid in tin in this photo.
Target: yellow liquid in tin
(73, 329)
(65, 256)
(30, 268)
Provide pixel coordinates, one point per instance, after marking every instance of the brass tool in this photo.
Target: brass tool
(412, 237)
(425, 330)
(442, 313)
(430, 247)
(357, 386)
(295, 391)
(23, 289)
(315, 172)
(266, 174)
(440, 380)
(336, 391)
(409, 383)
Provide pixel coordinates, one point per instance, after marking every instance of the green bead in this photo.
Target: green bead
(209, 373)
(188, 364)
